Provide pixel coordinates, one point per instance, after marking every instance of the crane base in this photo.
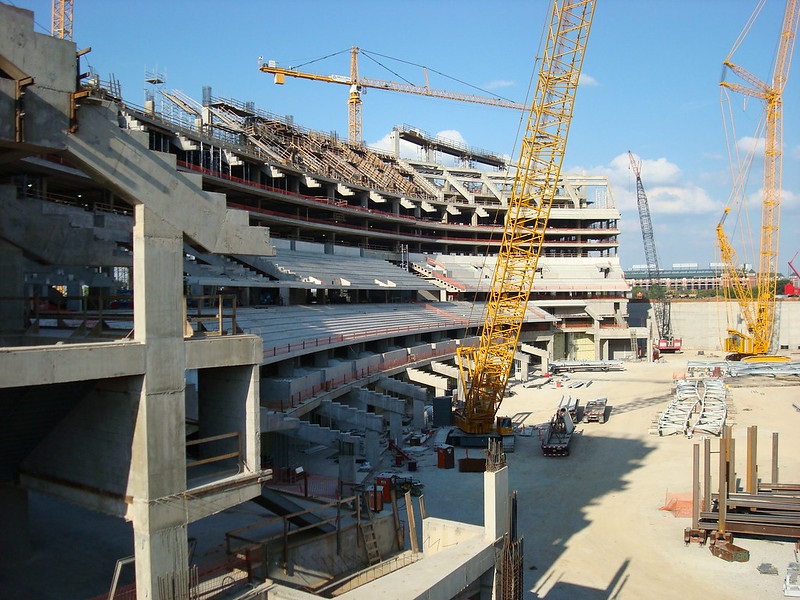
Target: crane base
(457, 437)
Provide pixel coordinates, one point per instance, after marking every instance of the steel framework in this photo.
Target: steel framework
(484, 370)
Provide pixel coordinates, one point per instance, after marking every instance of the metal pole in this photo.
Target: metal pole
(723, 484)
(731, 470)
(752, 466)
(775, 458)
(695, 486)
(707, 474)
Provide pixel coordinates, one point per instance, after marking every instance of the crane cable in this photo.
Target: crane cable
(521, 124)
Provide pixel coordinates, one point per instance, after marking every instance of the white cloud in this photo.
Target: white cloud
(452, 134)
(654, 171)
(407, 149)
(499, 84)
(587, 80)
(681, 200)
(749, 144)
(668, 193)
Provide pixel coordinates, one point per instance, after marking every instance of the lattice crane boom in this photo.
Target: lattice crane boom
(61, 14)
(758, 310)
(485, 369)
(659, 302)
(357, 83)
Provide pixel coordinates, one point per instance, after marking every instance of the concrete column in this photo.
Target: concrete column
(495, 503)
(373, 450)
(395, 426)
(418, 411)
(347, 468)
(158, 463)
(12, 304)
(488, 585)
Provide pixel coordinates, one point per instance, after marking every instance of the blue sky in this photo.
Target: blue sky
(650, 85)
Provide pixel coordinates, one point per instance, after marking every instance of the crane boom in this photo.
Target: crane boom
(357, 83)
(660, 303)
(758, 309)
(484, 370)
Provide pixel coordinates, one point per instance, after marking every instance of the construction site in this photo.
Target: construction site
(243, 359)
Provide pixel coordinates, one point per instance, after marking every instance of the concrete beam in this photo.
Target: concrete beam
(224, 351)
(41, 365)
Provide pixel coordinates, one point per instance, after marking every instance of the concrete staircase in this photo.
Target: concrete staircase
(142, 176)
(439, 382)
(51, 237)
(355, 418)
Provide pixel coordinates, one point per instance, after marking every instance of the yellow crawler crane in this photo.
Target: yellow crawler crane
(757, 304)
(485, 369)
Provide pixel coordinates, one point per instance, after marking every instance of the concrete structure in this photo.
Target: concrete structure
(165, 354)
(703, 324)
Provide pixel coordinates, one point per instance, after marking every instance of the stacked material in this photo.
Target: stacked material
(699, 406)
(713, 409)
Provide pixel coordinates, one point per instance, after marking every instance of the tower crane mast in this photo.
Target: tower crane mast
(758, 305)
(358, 84)
(660, 302)
(61, 14)
(484, 370)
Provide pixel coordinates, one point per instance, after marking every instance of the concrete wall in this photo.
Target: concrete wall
(702, 325)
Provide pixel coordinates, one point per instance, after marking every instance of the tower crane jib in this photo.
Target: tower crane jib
(357, 84)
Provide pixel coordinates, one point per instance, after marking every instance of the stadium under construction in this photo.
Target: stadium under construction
(199, 299)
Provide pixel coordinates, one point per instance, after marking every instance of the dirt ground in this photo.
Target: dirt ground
(593, 523)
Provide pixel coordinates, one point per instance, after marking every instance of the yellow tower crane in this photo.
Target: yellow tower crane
(757, 304)
(61, 19)
(485, 369)
(358, 83)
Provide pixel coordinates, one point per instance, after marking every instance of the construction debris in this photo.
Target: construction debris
(791, 585)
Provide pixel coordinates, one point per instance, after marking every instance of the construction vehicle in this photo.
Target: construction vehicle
(571, 404)
(557, 434)
(659, 300)
(757, 304)
(358, 84)
(595, 411)
(484, 369)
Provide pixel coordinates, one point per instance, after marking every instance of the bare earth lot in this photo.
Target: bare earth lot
(592, 523)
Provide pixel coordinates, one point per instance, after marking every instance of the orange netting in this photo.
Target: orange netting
(680, 505)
